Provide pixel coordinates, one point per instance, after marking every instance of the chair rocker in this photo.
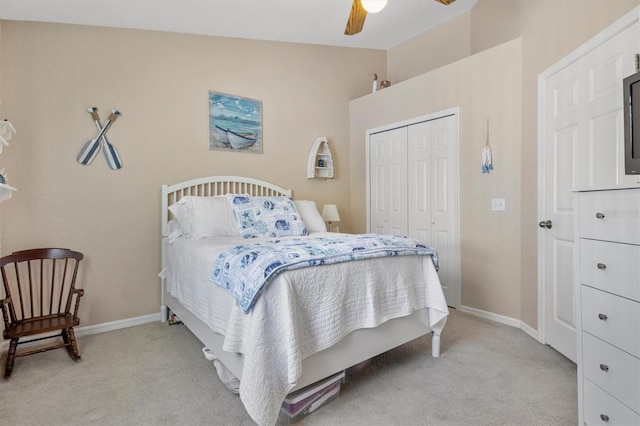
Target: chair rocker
(39, 287)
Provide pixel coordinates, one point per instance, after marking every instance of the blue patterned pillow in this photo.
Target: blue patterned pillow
(266, 216)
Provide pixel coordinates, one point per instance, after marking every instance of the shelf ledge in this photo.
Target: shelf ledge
(6, 191)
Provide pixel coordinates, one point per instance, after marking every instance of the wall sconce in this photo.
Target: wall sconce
(330, 214)
(374, 6)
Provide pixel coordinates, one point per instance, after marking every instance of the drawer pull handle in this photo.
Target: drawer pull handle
(602, 266)
(604, 367)
(603, 317)
(600, 215)
(604, 417)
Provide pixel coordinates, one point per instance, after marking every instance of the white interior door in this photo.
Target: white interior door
(561, 143)
(580, 141)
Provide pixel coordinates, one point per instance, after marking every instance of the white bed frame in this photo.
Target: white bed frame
(356, 347)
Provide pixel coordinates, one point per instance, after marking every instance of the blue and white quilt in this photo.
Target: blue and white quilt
(245, 270)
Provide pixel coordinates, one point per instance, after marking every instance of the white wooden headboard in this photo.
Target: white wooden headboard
(216, 185)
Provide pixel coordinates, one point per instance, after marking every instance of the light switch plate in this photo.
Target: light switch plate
(498, 204)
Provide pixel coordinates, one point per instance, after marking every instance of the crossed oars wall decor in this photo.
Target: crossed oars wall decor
(91, 148)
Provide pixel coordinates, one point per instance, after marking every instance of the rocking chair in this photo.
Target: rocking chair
(39, 286)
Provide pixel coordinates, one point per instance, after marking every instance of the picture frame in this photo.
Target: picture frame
(235, 123)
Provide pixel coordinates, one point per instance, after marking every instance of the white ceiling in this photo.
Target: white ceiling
(298, 21)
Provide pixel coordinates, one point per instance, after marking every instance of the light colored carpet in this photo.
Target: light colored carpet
(155, 374)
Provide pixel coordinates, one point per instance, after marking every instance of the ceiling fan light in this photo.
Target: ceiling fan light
(373, 6)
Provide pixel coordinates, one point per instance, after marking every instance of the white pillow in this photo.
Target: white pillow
(203, 217)
(311, 216)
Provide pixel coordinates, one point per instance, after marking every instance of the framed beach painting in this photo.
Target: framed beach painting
(235, 123)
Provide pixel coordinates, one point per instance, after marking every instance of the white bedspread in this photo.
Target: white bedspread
(301, 312)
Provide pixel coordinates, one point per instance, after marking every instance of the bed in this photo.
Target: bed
(292, 337)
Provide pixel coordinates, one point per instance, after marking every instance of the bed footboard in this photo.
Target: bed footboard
(356, 347)
(435, 345)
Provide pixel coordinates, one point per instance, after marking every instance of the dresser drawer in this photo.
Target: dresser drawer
(611, 215)
(611, 267)
(614, 319)
(613, 370)
(600, 408)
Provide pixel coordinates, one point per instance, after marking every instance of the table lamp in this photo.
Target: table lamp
(330, 214)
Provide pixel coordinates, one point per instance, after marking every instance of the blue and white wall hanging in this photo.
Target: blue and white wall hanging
(235, 123)
(487, 161)
(91, 148)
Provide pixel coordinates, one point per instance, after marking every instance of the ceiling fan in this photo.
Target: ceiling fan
(359, 11)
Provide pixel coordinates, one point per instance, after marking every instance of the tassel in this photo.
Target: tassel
(487, 161)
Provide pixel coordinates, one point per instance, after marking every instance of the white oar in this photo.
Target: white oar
(110, 152)
(90, 150)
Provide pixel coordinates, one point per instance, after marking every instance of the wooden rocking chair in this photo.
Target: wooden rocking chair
(39, 286)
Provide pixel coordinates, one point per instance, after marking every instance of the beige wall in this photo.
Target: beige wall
(550, 29)
(159, 81)
(440, 46)
(490, 241)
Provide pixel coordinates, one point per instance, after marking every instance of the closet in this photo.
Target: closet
(412, 188)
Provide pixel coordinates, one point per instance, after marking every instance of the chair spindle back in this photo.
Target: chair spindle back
(43, 281)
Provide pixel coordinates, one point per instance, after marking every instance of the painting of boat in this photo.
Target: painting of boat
(235, 123)
(239, 141)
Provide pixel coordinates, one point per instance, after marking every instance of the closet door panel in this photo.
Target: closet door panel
(388, 177)
(419, 178)
(443, 194)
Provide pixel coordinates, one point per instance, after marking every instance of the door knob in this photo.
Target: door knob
(545, 224)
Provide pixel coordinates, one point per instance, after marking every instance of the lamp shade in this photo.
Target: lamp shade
(374, 6)
(330, 213)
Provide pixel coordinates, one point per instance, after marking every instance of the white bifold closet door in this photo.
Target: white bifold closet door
(413, 190)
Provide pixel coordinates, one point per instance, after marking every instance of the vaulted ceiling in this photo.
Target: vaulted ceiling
(299, 21)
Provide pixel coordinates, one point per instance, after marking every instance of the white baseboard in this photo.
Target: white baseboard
(97, 328)
(130, 322)
(501, 319)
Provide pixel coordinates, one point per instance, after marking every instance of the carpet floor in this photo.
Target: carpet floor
(155, 374)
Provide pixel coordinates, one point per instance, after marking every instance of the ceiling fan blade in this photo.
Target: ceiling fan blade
(445, 2)
(356, 18)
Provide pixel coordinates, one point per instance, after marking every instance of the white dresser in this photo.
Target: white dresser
(607, 271)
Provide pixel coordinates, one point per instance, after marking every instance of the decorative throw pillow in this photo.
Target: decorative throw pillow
(266, 216)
